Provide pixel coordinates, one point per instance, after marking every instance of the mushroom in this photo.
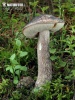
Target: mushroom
(43, 24)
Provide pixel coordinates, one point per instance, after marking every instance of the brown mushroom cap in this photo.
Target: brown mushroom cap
(42, 23)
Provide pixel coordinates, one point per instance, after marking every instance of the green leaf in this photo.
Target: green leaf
(16, 33)
(9, 68)
(23, 68)
(36, 90)
(52, 51)
(15, 80)
(22, 54)
(73, 53)
(34, 4)
(17, 67)
(12, 57)
(69, 77)
(14, 62)
(62, 63)
(53, 58)
(72, 9)
(17, 72)
(44, 8)
(14, 20)
(18, 42)
(73, 72)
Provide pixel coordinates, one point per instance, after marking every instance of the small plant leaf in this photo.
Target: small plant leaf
(44, 8)
(17, 72)
(36, 90)
(18, 42)
(73, 72)
(22, 54)
(14, 62)
(53, 58)
(15, 80)
(9, 68)
(12, 57)
(73, 53)
(23, 68)
(69, 77)
(72, 9)
(62, 63)
(14, 20)
(18, 67)
(34, 4)
(52, 51)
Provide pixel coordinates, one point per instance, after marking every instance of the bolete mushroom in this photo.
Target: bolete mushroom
(43, 24)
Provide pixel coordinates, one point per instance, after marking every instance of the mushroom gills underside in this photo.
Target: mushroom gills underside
(32, 30)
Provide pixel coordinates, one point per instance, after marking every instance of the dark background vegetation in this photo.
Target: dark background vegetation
(18, 57)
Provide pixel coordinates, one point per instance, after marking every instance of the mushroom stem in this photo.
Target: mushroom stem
(44, 63)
